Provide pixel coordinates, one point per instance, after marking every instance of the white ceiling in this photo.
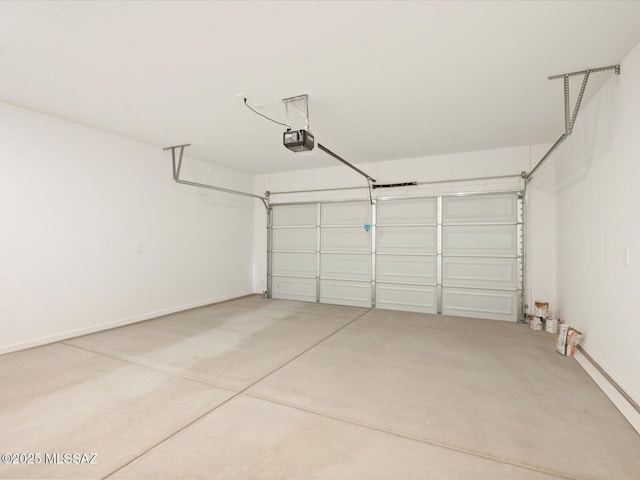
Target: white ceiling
(386, 80)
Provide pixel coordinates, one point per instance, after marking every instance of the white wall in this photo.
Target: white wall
(541, 233)
(598, 199)
(75, 201)
(507, 161)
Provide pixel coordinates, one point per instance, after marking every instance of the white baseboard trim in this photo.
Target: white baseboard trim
(37, 342)
(628, 411)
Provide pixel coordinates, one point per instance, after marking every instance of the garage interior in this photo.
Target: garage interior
(188, 294)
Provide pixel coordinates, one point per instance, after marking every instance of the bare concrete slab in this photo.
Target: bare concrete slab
(58, 399)
(253, 439)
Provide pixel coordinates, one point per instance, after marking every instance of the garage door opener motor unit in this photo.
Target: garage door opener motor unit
(298, 140)
(301, 139)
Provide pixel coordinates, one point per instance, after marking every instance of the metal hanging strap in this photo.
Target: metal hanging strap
(176, 170)
(570, 119)
(304, 99)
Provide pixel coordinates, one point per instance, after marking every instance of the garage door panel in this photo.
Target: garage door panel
(407, 211)
(480, 240)
(407, 268)
(345, 213)
(303, 289)
(409, 298)
(480, 272)
(341, 292)
(293, 264)
(462, 259)
(354, 267)
(480, 209)
(421, 239)
(490, 304)
(345, 239)
(294, 239)
(294, 215)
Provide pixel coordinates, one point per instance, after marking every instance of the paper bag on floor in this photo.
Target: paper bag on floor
(567, 340)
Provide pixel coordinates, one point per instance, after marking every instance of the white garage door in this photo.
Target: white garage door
(345, 254)
(457, 255)
(293, 256)
(481, 256)
(322, 252)
(407, 254)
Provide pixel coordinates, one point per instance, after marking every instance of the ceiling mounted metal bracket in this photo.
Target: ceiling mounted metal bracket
(178, 166)
(569, 119)
(176, 177)
(301, 104)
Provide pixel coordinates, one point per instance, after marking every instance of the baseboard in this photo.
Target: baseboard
(627, 407)
(37, 342)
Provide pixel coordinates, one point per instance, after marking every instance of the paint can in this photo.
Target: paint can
(535, 323)
(542, 309)
(551, 324)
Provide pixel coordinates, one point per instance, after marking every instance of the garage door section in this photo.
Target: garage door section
(406, 255)
(294, 246)
(345, 254)
(481, 256)
(457, 255)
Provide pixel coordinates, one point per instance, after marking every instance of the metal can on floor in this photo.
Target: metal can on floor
(551, 324)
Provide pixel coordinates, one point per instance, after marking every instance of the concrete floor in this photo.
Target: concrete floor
(257, 388)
